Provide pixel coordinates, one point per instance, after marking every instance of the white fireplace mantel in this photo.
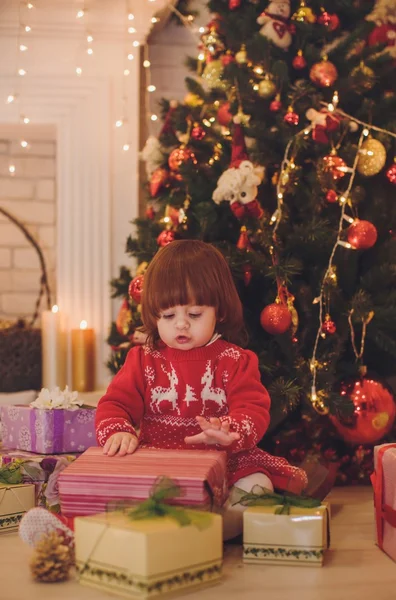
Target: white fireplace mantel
(97, 182)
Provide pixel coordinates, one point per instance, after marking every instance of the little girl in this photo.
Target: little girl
(190, 386)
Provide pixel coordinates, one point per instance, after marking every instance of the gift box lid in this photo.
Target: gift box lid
(200, 473)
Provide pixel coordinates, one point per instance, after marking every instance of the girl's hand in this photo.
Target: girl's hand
(213, 432)
(123, 443)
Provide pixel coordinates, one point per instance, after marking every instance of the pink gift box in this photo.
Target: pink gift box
(47, 431)
(384, 483)
(94, 481)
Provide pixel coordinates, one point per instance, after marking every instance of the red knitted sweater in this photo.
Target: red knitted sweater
(161, 391)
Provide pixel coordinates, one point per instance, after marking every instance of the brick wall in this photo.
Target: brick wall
(30, 196)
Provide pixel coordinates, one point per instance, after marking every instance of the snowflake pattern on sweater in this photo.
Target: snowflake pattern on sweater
(161, 391)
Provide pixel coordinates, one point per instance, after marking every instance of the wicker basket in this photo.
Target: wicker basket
(20, 341)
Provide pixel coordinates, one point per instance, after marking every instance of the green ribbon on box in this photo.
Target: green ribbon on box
(260, 496)
(156, 506)
(11, 474)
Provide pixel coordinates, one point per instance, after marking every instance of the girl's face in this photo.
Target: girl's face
(187, 327)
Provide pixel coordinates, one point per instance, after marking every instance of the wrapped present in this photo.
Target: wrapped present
(47, 431)
(384, 484)
(42, 470)
(124, 552)
(94, 479)
(16, 498)
(285, 530)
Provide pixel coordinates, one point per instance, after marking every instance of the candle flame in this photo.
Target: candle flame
(55, 308)
(83, 325)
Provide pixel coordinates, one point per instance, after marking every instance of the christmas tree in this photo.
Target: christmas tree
(282, 156)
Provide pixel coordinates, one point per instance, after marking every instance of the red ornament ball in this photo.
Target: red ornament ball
(135, 289)
(335, 165)
(224, 116)
(299, 62)
(291, 117)
(323, 73)
(180, 156)
(332, 196)
(329, 326)
(276, 319)
(227, 59)
(275, 105)
(373, 415)
(166, 237)
(198, 133)
(150, 213)
(391, 173)
(362, 235)
(331, 21)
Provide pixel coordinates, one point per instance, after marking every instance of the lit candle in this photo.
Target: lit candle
(83, 358)
(54, 348)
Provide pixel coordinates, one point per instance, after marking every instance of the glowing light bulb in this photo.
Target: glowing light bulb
(22, 72)
(83, 324)
(135, 44)
(201, 30)
(90, 38)
(55, 308)
(146, 64)
(11, 98)
(280, 195)
(126, 72)
(131, 17)
(130, 57)
(89, 51)
(201, 56)
(125, 147)
(154, 20)
(80, 14)
(11, 169)
(24, 144)
(151, 88)
(365, 132)
(23, 47)
(27, 28)
(131, 30)
(25, 120)
(29, 5)
(119, 123)
(306, 131)
(78, 71)
(154, 117)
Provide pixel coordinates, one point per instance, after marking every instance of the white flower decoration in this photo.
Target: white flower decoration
(55, 398)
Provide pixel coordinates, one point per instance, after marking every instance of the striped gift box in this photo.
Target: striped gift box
(94, 481)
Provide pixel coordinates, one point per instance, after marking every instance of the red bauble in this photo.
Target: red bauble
(383, 34)
(391, 173)
(224, 116)
(157, 180)
(331, 21)
(332, 196)
(124, 318)
(180, 156)
(291, 117)
(150, 213)
(198, 133)
(362, 235)
(227, 59)
(299, 61)
(275, 105)
(335, 165)
(247, 274)
(243, 242)
(328, 326)
(323, 73)
(276, 319)
(166, 237)
(233, 4)
(135, 289)
(373, 415)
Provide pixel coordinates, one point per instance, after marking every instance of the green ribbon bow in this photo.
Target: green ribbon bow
(11, 474)
(156, 506)
(260, 496)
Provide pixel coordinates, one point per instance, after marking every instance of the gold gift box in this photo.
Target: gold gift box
(146, 558)
(15, 501)
(297, 538)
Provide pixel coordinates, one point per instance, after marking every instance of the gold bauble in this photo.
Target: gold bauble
(369, 76)
(372, 158)
(266, 88)
(212, 75)
(241, 56)
(193, 100)
(304, 14)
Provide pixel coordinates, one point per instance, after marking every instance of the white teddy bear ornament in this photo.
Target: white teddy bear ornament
(275, 23)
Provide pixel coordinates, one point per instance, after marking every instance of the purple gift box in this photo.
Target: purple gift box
(47, 431)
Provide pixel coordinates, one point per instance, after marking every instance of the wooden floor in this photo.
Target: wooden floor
(355, 569)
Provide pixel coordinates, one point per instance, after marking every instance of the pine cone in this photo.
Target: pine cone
(52, 559)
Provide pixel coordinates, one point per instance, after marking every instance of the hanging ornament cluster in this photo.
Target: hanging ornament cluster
(372, 157)
(373, 415)
(323, 123)
(304, 14)
(180, 156)
(275, 23)
(291, 117)
(391, 173)
(238, 185)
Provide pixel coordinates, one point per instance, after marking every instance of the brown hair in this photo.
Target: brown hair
(191, 272)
